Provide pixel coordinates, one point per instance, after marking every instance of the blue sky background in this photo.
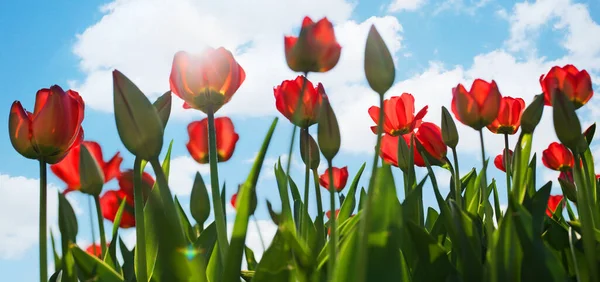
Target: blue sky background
(436, 44)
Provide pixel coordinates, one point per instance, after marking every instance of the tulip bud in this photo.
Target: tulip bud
(199, 202)
(91, 176)
(138, 123)
(163, 107)
(532, 114)
(569, 189)
(449, 133)
(308, 143)
(566, 122)
(404, 153)
(328, 132)
(589, 133)
(379, 65)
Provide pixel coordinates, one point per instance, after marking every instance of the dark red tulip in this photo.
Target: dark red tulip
(340, 177)
(111, 200)
(399, 115)
(206, 81)
(575, 84)
(479, 107)
(553, 202)
(558, 157)
(68, 169)
(315, 50)
(286, 99)
(198, 143)
(509, 116)
(499, 160)
(52, 129)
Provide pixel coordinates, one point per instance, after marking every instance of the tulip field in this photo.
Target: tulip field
(360, 233)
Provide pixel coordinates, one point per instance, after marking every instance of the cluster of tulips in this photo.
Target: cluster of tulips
(468, 238)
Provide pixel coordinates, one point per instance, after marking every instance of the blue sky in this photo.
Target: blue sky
(436, 45)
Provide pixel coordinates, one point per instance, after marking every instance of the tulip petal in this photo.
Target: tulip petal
(19, 128)
(198, 143)
(226, 138)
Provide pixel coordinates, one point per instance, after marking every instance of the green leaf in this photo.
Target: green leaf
(57, 260)
(379, 65)
(138, 123)
(432, 256)
(207, 241)
(199, 201)
(111, 257)
(282, 184)
(187, 226)
(350, 202)
(91, 176)
(240, 228)
(432, 216)
(128, 261)
(214, 270)
(363, 198)
(67, 221)
(93, 268)
(250, 259)
(276, 263)
(520, 166)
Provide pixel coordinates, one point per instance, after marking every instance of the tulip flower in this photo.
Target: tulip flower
(553, 202)
(206, 81)
(286, 99)
(558, 157)
(479, 106)
(328, 213)
(233, 200)
(340, 177)
(95, 250)
(315, 50)
(111, 200)
(575, 84)
(429, 136)
(225, 135)
(499, 160)
(52, 129)
(509, 116)
(68, 169)
(389, 149)
(399, 115)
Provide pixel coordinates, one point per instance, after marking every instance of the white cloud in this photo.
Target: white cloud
(408, 5)
(19, 214)
(182, 174)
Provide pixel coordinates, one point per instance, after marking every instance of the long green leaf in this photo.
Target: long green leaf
(93, 268)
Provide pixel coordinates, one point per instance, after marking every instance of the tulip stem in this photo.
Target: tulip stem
(100, 225)
(319, 200)
(214, 180)
(91, 211)
(483, 191)
(140, 230)
(306, 178)
(507, 163)
(43, 240)
(362, 248)
(457, 183)
(332, 223)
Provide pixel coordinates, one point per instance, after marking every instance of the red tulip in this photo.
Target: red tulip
(328, 213)
(111, 200)
(575, 84)
(198, 143)
(340, 177)
(315, 50)
(553, 202)
(567, 176)
(499, 160)
(479, 107)
(233, 201)
(558, 157)
(509, 116)
(68, 169)
(52, 129)
(399, 115)
(429, 136)
(206, 81)
(286, 99)
(96, 250)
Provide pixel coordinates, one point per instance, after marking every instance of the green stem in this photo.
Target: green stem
(214, 180)
(318, 193)
(483, 172)
(457, 184)
(507, 163)
(140, 230)
(101, 225)
(306, 179)
(362, 248)
(92, 224)
(332, 224)
(167, 201)
(43, 241)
